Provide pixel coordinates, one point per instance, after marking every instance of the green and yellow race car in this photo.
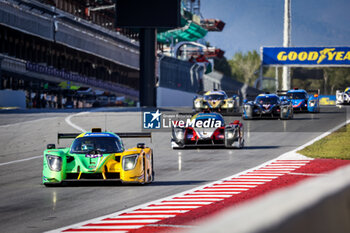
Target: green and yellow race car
(98, 155)
(216, 101)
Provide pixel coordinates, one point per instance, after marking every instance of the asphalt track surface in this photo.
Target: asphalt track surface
(28, 206)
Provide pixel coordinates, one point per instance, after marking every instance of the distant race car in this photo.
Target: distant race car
(343, 97)
(267, 106)
(97, 156)
(216, 101)
(207, 129)
(302, 101)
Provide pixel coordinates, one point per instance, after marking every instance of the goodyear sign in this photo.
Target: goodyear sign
(327, 99)
(314, 56)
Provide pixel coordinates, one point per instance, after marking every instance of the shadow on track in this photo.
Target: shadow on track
(103, 183)
(305, 118)
(193, 148)
(259, 147)
(86, 183)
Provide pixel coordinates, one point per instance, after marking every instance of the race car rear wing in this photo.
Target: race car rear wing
(284, 92)
(229, 93)
(121, 134)
(281, 92)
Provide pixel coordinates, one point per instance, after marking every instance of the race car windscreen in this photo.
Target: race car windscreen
(214, 97)
(267, 100)
(105, 145)
(296, 95)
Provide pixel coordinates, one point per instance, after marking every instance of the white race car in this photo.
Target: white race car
(343, 97)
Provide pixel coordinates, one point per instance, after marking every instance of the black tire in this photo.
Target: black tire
(50, 185)
(241, 145)
(144, 173)
(152, 174)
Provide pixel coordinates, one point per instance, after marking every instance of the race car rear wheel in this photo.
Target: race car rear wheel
(151, 174)
(145, 181)
(241, 143)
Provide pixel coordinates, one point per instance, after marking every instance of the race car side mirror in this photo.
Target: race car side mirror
(141, 145)
(51, 146)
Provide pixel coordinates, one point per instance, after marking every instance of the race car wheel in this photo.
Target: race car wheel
(53, 184)
(152, 168)
(241, 143)
(144, 179)
(147, 174)
(150, 172)
(245, 117)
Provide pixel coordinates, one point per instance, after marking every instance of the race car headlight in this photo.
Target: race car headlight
(312, 103)
(129, 162)
(179, 133)
(230, 104)
(197, 104)
(284, 109)
(54, 162)
(230, 135)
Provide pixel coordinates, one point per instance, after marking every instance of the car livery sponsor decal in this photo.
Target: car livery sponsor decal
(98, 135)
(296, 104)
(156, 120)
(93, 155)
(327, 100)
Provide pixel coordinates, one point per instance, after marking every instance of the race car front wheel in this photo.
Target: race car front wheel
(241, 143)
(151, 174)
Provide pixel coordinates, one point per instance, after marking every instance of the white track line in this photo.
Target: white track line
(30, 121)
(67, 120)
(20, 160)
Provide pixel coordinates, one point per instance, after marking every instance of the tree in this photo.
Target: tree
(244, 67)
(335, 79)
(222, 65)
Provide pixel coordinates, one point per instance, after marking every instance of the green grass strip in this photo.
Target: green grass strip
(334, 146)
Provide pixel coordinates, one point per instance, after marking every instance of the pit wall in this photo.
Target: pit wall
(179, 81)
(10, 98)
(167, 97)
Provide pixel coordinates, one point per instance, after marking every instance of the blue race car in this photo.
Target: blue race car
(267, 106)
(302, 101)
